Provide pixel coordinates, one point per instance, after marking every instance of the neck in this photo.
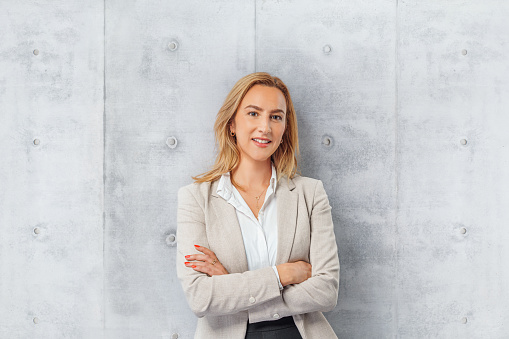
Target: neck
(253, 175)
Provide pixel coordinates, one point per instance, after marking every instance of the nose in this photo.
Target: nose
(264, 126)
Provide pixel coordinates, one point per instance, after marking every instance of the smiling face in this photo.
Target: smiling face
(260, 122)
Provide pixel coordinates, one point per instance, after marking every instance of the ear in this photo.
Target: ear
(232, 126)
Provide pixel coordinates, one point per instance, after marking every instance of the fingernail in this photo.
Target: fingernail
(196, 246)
(187, 256)
(193, 266)
(186, 263)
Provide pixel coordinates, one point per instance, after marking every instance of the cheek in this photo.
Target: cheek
(281, 129)
(243, 125)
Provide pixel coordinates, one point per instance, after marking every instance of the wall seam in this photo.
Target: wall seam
(396, 175)
(104, 170)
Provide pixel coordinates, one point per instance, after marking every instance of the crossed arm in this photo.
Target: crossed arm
(211, 290)
(208, 263)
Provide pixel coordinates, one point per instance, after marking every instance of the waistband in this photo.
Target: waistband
(286, 322)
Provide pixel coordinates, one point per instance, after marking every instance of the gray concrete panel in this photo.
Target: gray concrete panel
(452, 169)
(338, 59)
(51, 180)
(169, 66)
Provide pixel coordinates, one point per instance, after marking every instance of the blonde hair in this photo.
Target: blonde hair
(228, 155)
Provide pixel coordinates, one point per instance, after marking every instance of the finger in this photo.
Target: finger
(208, 269)
(206, 262)
(200, 257)
(202, 267)
(205, 267)
(205, 250)
(196, 265)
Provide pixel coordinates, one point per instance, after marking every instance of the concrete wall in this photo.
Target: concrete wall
(402, 109)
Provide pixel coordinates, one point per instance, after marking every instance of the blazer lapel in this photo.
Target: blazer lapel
(232, 234)
(287, 199)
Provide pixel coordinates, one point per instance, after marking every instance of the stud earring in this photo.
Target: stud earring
(232, 133)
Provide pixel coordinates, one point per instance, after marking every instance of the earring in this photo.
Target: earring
(232, 133)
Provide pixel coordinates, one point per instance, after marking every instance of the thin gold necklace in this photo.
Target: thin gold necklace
(256, 197)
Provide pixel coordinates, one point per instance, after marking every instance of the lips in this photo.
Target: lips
(262, 140)
(261, 144)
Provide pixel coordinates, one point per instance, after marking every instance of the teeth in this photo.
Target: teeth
(262, 141)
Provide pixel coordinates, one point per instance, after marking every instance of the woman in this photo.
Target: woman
(256, 246)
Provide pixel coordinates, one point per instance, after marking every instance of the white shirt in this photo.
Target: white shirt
(259, 234)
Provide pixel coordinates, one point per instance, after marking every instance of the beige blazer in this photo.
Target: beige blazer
(225, 303)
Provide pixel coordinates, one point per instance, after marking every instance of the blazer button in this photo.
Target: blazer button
(252, 300)
(276, 316)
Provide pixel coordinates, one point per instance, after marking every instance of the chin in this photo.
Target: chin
(261, 159)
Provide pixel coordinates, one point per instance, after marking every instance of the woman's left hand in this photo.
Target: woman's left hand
(206, 262)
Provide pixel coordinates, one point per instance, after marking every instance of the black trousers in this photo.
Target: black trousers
(283, 328)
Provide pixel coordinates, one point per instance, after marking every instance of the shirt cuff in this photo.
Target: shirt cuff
(277, 275)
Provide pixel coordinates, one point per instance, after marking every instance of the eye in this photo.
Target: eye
(253, 113)
(278, 117)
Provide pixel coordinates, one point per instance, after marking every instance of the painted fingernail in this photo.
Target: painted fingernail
(186, 263)
(193, 266)
(187, 256)
(196, 246)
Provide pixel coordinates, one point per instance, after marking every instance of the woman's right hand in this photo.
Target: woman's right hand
(207, 262)
(294, 272)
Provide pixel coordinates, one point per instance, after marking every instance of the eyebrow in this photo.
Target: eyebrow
(277, 110)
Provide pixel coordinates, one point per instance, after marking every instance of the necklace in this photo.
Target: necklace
(256, 197)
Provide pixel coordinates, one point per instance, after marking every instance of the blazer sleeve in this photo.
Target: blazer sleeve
(320, 291)
(219, 294)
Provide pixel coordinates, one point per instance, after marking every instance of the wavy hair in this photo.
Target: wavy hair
(228, 155)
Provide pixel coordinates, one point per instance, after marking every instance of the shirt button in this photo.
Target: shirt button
(252, 300)
(276, 316)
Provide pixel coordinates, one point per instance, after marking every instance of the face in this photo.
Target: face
(260, 122)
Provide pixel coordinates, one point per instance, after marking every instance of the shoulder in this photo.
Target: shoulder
(308, 186)
(306, 182)
(313, 193)
(195, 191)
(195, 187)
(301, 181)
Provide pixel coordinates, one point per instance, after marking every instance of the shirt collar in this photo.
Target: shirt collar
(225, 186)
